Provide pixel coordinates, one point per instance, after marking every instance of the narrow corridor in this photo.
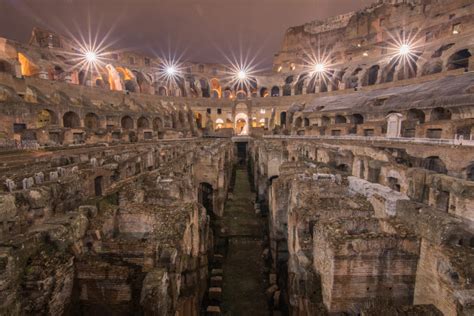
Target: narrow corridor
(244, 280)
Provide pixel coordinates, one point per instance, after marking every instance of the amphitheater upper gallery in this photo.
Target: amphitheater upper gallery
(338, 181)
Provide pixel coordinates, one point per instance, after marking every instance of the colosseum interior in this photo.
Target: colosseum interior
(335, 183)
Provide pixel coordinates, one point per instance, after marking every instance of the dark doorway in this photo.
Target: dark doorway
(241, 152)
(98, 186)
(205, 196)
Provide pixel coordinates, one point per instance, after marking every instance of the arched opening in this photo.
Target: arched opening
(390, 70)
(157, 124)
(216, 90)
(357, 119)
(435, 164)
(340, 119)
(275, 91)
(325, 121)
(206, 197)
(91, 121)
(46, 118)
(263, 92)
(58, 73)
(408, 68)
(287, 86)
(6, 67)
(227, 93)
(283, 118)
(298, 122)
(459, 60)
(372, 75)
(198, 118)
(393, 184)
(98, 185)
(353, 80)
(440, 114)
(306, 122)
(162, 91)
(241, 124)
(241, 95)
(431, 68)
(71, 120)
(470, 172)
(300, 84)
(206, 93)
(126, 122)
(143, 123)
(343, 168)
(416, 115)
(219, 123)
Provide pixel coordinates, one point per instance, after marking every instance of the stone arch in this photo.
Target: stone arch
(416, 115)
(434, 163)
(432, 67)
(126, 122)
(287, 86)
(470, 172)
(389, 70)
(371, 75)
(440, 114)
(306, 122)
(241, 94)
(300, 84)
(352, 81)
(206, 197)
(283, 118)
(264, 92)
(143, 123)
(408, 68)
(71, 120)
(340, 119)
(275, 91)
(325, 121)
(205, 88)
(91, 121)
(357, 119)
(241, 125)
(45, 118)
(298, 122)
(6, 67)
(459, 60)
(162, 91)
(216, 89)
(198, 118)
(157, 124)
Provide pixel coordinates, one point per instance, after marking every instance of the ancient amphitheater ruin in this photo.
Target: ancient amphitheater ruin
(342, 185)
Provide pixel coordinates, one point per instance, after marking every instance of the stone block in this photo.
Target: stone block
(215, 293)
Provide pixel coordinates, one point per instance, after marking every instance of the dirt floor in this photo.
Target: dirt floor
(244, 279)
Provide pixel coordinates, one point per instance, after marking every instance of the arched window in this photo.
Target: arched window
(287, 86)
(143, 123)
(340, 119)
(416, 115)
(306, 122)
(283, 118)
(157, 124)
(126, 122)
(91, 121)
(46, 118)
(459, 60)
(325, 121)
(263, 92)
(71, 120)
(298, 122)
(435, 164)
(439, 114)
(372, 75)
(275, 91)
(357, 119)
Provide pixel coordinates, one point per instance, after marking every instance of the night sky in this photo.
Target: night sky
(201, 30)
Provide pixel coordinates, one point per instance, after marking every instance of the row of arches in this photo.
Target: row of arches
(71, 119)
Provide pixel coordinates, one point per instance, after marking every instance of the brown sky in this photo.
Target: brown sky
(205, 30)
